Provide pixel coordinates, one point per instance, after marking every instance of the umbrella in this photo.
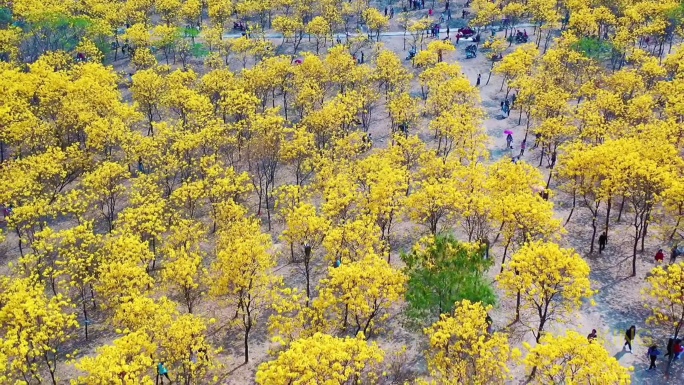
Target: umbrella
(508, 132)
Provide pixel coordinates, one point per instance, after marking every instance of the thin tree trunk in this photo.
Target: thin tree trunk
(503, 260)
(622, 206)
(610, 204)
(574, 201)
(593, 227)
(645, 228)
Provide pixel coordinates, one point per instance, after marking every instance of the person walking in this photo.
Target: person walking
(458, 37)
(629, 337)
(479, 77)
(660, 256)
(307, 250)
(670, 345)
(430, 12)
(386, 11)
(509, 141)
(163, 372)
(447, 31)
(678, 349)
(391, 12)
(653, 354)
(523, 144)
(673, 255)
(603, 239)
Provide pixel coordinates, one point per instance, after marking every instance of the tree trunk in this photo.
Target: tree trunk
(622, 206)
(609, 205)
(637, 233)
(593, 227)
(503, 260)
(85, 313)
(645, 228)
(247, 329)
(574, 201)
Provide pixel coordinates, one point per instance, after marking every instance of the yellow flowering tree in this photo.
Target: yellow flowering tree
(242, 273)
(665, 295)
(572, 359)
(104, 188)
(130, 359)
(463, 351)
(322, 359)
(34, 330)
(549, 282)
(361, 293)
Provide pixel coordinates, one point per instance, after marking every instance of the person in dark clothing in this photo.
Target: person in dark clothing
(592, 336)
(391, 12)
(447, 31)
(385, 11)
(603, 239)
(362, 57)
(670, 345)
(479, 77)
(673, 255)
(523, 144)
(553, 160)
(629, 337)
(653, 354)
(307, 251)
(544, 194)
(513, 99)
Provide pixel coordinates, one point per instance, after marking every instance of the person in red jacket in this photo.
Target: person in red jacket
(660, 256)
(678, 349)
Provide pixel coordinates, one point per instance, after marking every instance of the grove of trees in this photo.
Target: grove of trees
(269, 192)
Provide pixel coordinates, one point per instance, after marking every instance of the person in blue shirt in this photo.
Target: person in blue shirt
(653, 353)
(162, 371)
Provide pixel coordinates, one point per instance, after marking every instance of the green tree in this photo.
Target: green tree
(443, 271)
